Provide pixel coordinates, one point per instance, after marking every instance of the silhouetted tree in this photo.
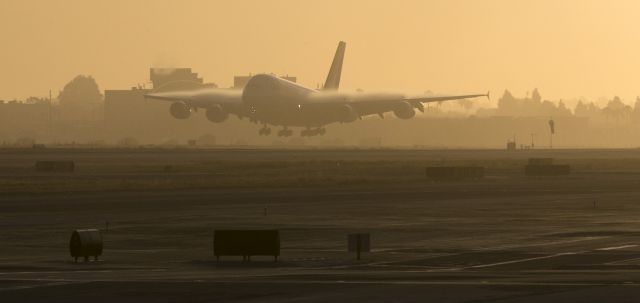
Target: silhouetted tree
(506, 103)
(465, 103)
(581, 109)
(562, 109)
(80, 100)
(81, 90)
(586, 109)
(530, 106)
(547, 108)
(507, 96)
(617, 110)
(635, 115)
(535, 96)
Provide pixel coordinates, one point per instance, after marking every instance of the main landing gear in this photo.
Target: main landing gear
(312, 132)
(264, 131)
(285, 132)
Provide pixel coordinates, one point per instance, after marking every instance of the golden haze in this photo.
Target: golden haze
(568, 48)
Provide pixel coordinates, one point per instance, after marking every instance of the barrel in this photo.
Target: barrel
(85, 243)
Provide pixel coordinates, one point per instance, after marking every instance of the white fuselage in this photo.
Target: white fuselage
(276, 101)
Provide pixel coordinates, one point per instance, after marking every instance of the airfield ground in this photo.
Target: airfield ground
(506, 238)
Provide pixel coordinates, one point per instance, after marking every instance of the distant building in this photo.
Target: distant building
(162, 76)
(19, 119)
(128, 114)
(126, 109)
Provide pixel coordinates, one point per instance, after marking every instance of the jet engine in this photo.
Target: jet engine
(180, 110)
(348, 114)
(217, 114)
(404, 110)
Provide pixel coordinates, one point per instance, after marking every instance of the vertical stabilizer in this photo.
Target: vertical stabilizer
(333, 78)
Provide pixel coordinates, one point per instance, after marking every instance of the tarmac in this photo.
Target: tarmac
(505, 238)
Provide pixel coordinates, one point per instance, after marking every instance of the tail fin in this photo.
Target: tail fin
(333, 78)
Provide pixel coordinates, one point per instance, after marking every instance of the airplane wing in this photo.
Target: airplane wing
(227, 100)
(370, 104)
(201, 98)
(175, 96)
(430, 99)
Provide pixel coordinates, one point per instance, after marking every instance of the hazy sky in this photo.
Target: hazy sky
(566, 48)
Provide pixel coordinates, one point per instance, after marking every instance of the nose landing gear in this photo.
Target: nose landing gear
(285, 132)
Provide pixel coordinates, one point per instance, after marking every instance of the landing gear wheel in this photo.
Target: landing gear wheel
(312, 132)
(265, 131)
(285, 132)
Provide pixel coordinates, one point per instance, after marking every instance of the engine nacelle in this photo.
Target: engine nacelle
(217, 114)
(404, 110)
(180, 110)
(348, 114)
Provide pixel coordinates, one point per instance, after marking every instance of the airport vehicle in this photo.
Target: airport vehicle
(270, 100)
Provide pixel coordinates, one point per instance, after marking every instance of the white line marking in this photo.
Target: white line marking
(631, 261)
(525, 260)
(618, 247)
(552, 256)
(512, 246)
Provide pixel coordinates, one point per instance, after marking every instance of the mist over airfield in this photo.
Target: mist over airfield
(568, 49)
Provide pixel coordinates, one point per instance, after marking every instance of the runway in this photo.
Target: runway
(504, 238)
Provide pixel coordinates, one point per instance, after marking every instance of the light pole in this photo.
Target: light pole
(552, 130)
(532, 143)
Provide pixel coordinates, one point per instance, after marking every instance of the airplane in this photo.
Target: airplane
(270, 100)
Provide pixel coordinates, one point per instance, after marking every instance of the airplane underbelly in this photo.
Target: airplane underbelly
(298, 117)
(290, 118)
(278, 102)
